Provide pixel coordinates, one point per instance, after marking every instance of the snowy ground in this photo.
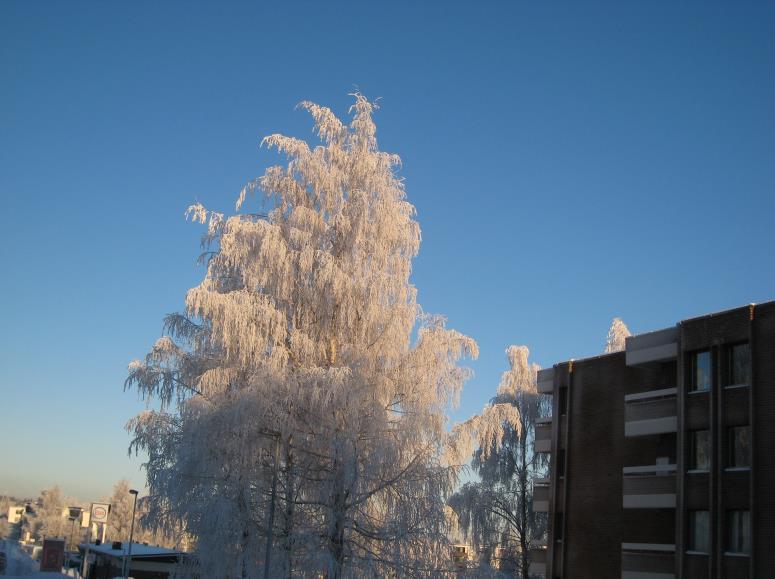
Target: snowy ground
(20, 564)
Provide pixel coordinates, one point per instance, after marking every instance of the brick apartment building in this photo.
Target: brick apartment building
(663, 455)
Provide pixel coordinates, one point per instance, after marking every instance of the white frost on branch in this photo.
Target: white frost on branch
(485, 431)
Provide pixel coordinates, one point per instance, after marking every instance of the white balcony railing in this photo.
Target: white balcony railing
(652, 412)
(658, 346)
(541, 493)
(543, 440)
(546, 381)
(648, 560)
(649, 487)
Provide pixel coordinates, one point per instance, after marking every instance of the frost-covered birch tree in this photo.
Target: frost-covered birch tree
(617, 334)
(120, 519)
(49, 518)
(302, 395)
(496, 512)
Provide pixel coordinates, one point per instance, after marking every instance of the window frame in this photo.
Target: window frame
(729, 380)
(693, 371)
(562, 401)
(744, 526)
(560, 463)
(731, 454)
(692, 534)
(693, 451)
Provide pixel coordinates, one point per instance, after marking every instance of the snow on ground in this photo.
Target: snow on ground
(21, 566)
(18, 562)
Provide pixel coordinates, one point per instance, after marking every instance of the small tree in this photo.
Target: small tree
(48, 519)
(496, 512)
(295, 409)
(120, 518)
(617, 333)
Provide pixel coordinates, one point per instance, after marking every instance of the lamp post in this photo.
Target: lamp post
(128, 559)
(75, 512)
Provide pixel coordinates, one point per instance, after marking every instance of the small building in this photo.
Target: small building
(148, 561)
(15, 514)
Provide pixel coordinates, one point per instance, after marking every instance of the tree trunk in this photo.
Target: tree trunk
(273, 499)
(289, 512)
(523, 515)
(336, 528)
(336, 539)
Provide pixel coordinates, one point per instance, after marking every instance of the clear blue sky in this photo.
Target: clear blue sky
(569, 164)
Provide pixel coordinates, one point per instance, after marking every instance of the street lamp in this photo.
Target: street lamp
(128, 559)
(75, 512)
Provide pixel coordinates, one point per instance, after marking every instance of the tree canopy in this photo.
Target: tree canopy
(303, 394)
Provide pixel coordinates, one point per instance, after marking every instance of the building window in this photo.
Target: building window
(699, 531)
(738, 365)
(699, 450)
(560, 466)
(558, 525)
(563, 401)
(700, 371)
(739, 446)
(739, 532)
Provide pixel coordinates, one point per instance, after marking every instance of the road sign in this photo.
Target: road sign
(99, 512)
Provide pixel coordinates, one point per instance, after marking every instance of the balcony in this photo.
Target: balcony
(543, 441)
(541, 494)
(546, 381)
(657, 346)
(538, 560)
(648, 561)
(652, 412)
(649, 487)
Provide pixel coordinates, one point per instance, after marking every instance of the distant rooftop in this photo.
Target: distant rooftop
(139, 550)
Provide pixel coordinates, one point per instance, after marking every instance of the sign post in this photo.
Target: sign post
(99, 514)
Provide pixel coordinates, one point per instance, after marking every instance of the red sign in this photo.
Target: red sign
(53, 556)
